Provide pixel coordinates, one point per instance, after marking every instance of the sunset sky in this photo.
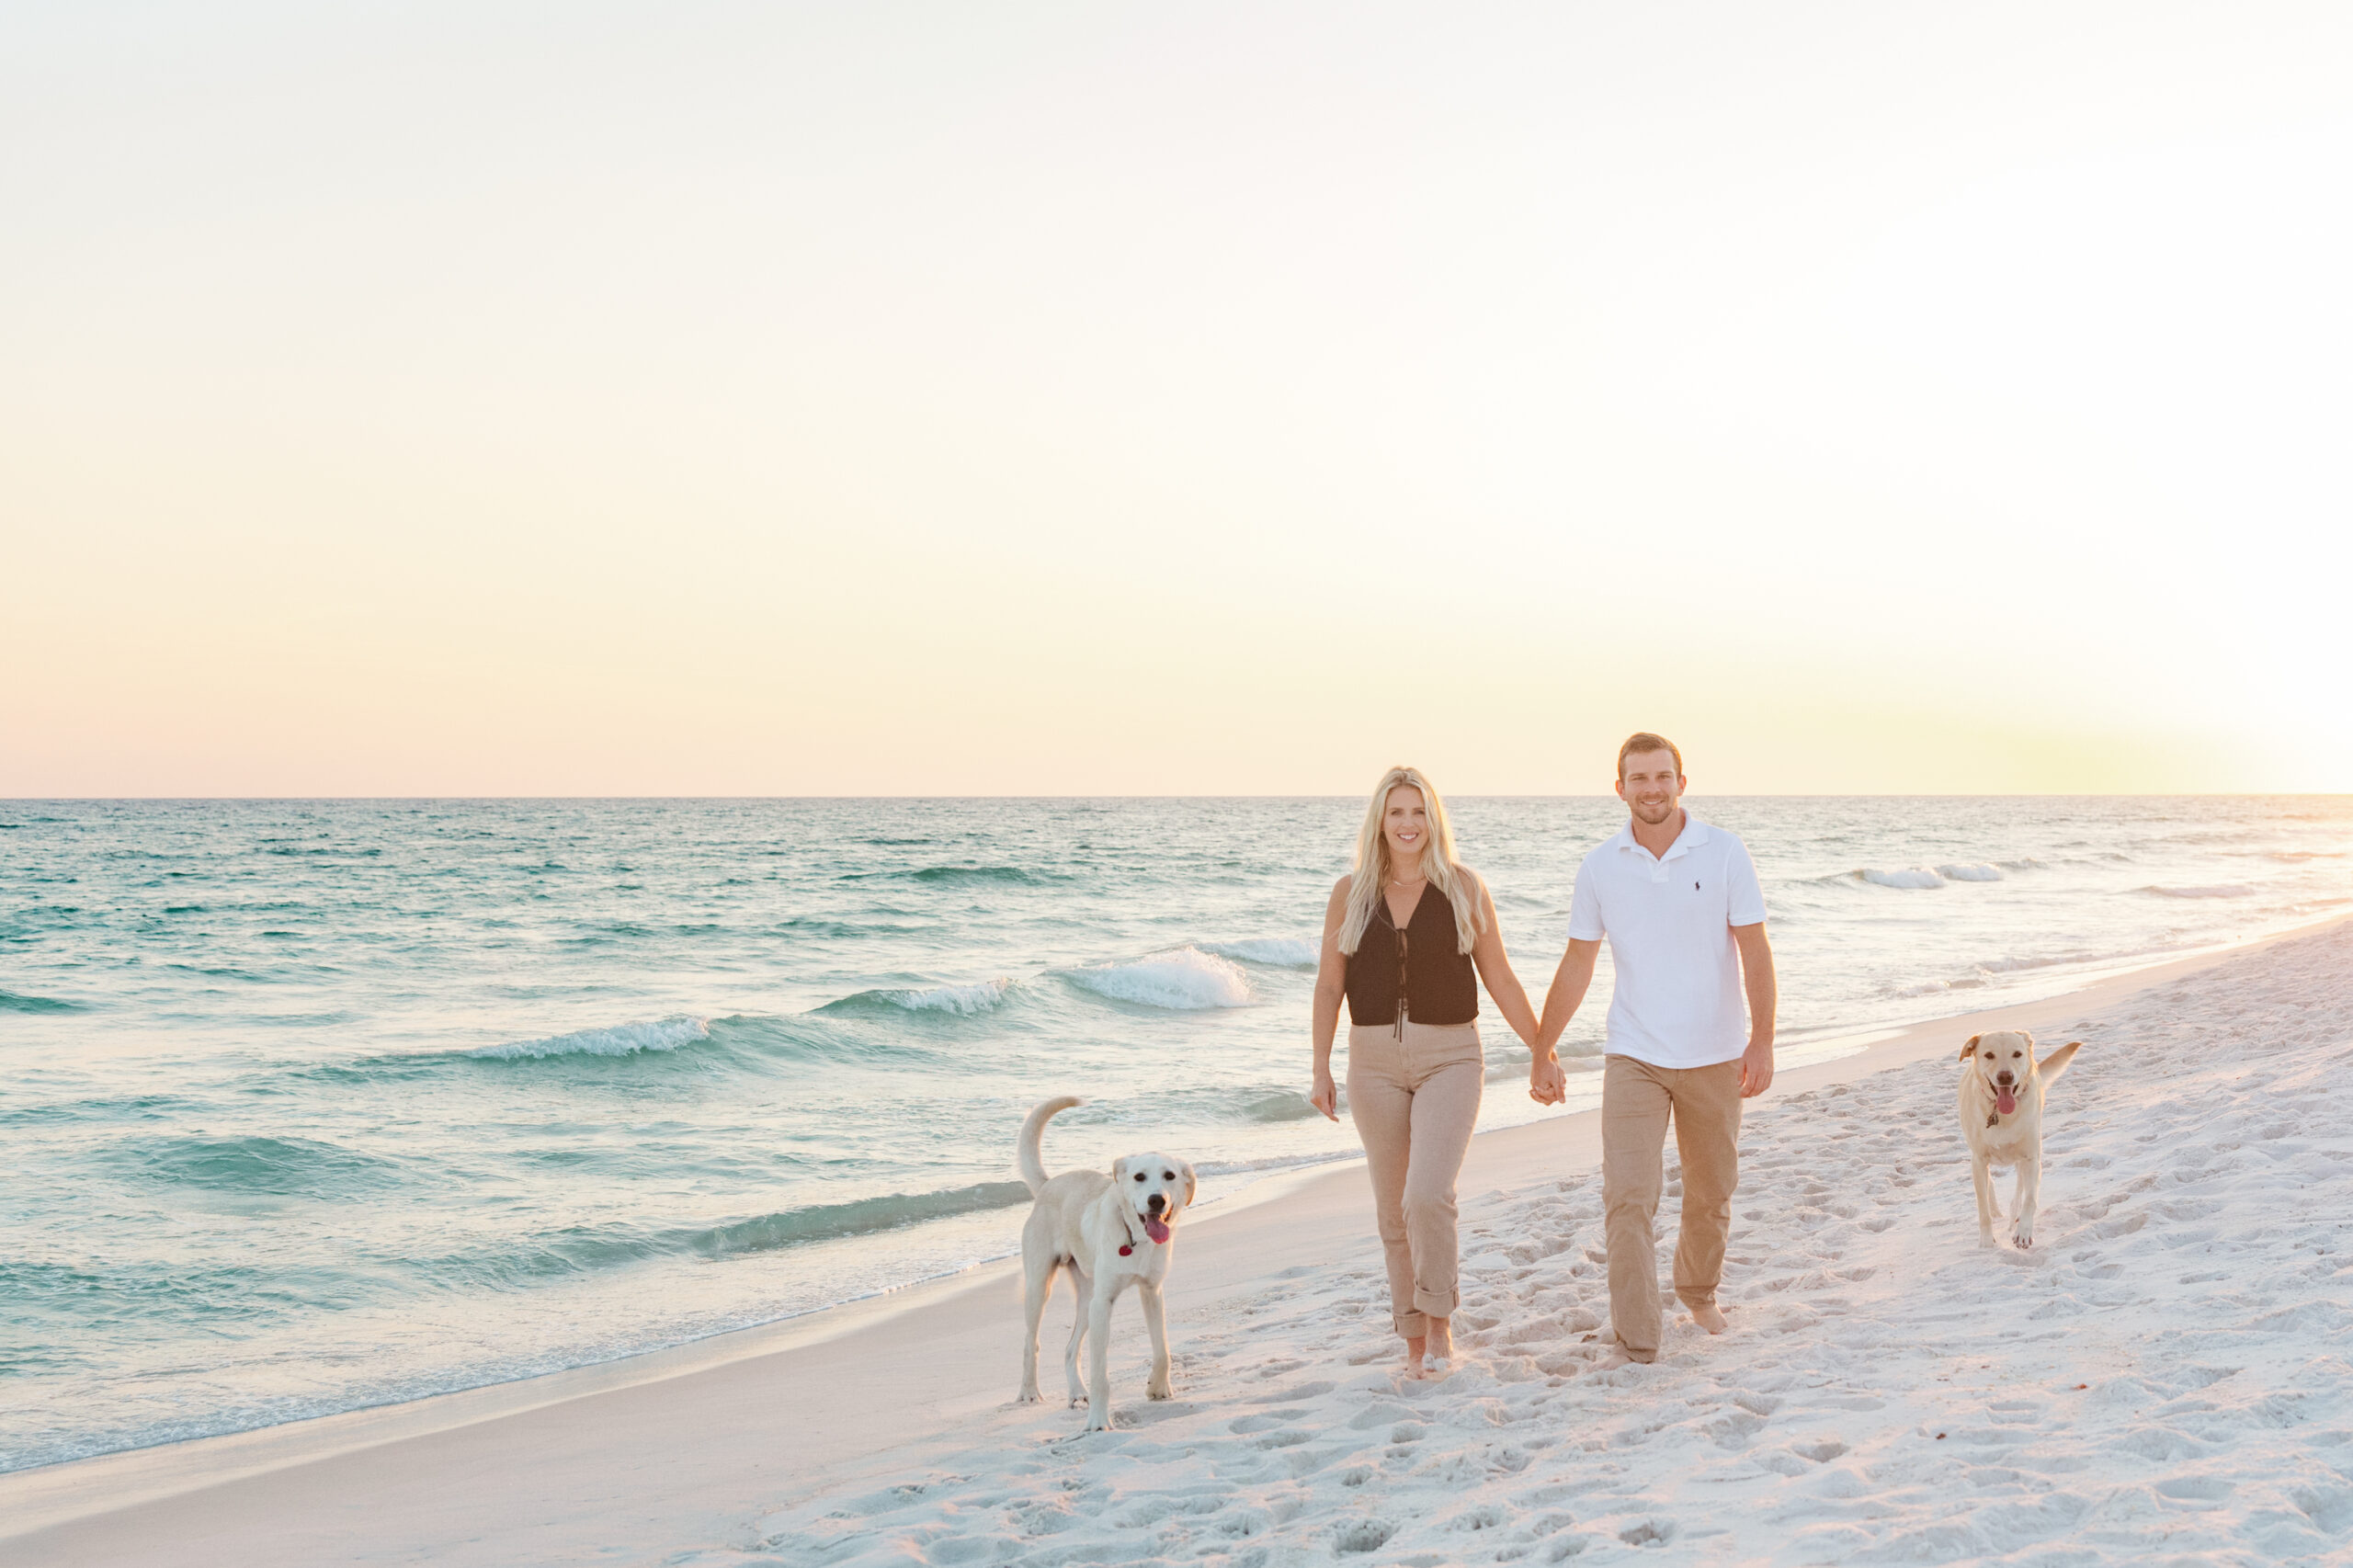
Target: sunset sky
(938, 399)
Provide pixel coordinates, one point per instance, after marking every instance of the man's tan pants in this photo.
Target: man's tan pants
(1416, 1102)
(1636, 1101)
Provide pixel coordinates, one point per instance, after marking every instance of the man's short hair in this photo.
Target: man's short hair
(1643, 741)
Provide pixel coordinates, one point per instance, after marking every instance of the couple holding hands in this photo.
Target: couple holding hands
(1678, 902)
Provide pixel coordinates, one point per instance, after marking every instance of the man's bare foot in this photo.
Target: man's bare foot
(1414, 1344)
(1617, 1358)
(1709, 1316)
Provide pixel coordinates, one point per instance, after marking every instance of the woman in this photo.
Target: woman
(1401, 938)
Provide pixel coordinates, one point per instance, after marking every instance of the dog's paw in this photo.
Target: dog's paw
(1100, 1423)
(2024, 1237)
(1158, 1390)
(1028, 1396)
(1985, 1239)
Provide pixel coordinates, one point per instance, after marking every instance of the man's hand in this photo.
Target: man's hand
(1756, 1068)
(1547, 1083)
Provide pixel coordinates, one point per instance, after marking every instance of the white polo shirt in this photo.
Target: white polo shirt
(1678, 1001)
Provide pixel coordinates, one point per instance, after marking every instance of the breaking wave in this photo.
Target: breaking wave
(964, 1000)
(1970, 873)
(1911, 876)
(1185, 979)
(621, 1040)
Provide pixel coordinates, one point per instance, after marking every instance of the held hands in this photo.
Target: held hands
(1546, 1083)
(1326, 1096)
(1757, 1067)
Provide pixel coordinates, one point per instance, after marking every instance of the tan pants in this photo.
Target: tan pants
(1415, 1102)
(1636, 1099)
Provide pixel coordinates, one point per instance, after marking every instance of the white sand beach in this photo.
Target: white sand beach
(2167, 1377)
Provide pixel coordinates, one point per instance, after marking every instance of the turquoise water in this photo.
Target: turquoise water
(308, 1105)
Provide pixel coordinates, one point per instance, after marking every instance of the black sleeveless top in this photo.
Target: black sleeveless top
(1417, 966)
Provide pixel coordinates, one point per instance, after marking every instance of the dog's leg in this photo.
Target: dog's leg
(1037, 1287)
(1155, 1323)
(1082, 1292)
(2030, 1193)
(1981, 1172)
(1098, 1359)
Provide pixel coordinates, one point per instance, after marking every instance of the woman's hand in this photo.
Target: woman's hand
(1547, 1083)
(1326, 1096)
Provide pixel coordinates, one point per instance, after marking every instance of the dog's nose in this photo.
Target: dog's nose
(1155, 1203)
(2004, 1076)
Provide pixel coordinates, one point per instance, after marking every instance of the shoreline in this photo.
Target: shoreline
(856, 1381)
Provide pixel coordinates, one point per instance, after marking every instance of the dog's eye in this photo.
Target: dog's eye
(1168, 1175)
(1139, 1176)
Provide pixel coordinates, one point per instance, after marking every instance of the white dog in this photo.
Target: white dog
(1110, 1232)
(2002, 1090)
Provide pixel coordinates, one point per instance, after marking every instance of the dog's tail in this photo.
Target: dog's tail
(2047, 1071)
(1033, 1169)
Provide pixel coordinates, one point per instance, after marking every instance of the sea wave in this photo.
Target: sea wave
(1970, 873)
(12, 1002)
(277, 1166)
(621, 1039)
(859, 1217)
(965, 1000)
(1275, 952)
(1908, 877)
(952, 874)
(2225, 890)
(1218, 1105)
(1185, 979)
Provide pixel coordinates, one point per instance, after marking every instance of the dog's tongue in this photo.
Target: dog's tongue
(1156, 1229)
(2005, 1101)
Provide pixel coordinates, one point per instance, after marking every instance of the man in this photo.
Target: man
(1678, 902)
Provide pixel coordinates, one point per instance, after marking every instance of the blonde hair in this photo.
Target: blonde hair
(1457, 881)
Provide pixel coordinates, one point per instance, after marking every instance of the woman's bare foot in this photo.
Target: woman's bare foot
(1438, 1355)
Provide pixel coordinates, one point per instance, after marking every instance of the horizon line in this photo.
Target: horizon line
(1466, 795)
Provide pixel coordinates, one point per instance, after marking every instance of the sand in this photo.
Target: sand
(2167, 1376)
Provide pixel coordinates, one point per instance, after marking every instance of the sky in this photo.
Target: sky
(1109, 399)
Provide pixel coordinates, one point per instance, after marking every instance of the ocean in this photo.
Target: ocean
(308, 1106)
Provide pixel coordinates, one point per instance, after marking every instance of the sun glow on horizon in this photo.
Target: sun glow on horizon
(916, 400)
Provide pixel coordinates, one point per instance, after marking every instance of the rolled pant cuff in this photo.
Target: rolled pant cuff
(1429, 1303)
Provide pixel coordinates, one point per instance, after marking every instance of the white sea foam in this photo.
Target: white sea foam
(1184, 978)
(1278, 953)
(1970, 873)
(621, 1040)
(965, 999)
(1911, 876)
(2226, 890)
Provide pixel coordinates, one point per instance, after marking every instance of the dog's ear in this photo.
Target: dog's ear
(1191, 1186)
(1119, 1169)
(1971, 1049)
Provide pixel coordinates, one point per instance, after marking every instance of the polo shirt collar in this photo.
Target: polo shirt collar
(1695, 833)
